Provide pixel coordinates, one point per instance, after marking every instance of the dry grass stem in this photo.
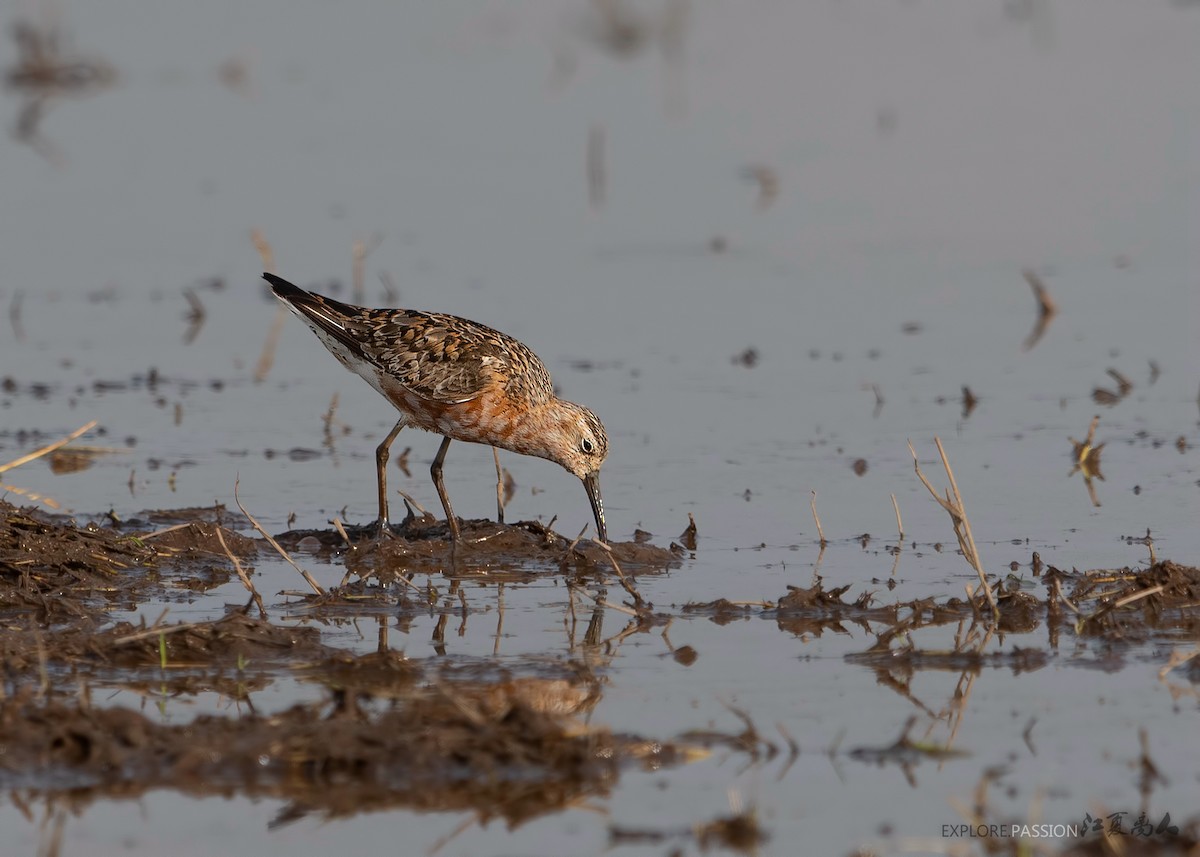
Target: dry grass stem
(820, 532)
(1058, 591)
(1084, 450)
(316, 587)
(953, 505)
(337, 525)
(408, 498)
(45, 450)
(156, 630)
(1138, 596)
(574, 542)
(241, 572)
(263, 246)
(163, 531)
(625, 582)
(899, 523)
(620, 608)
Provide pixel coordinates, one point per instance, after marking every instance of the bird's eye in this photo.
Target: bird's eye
(587, 446)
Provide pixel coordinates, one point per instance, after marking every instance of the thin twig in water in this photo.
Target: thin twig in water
(899, 523)
(163, 531)
(820, 532)
(316, 587)
(409, 499)
(1138, 596)
(58, 444)
(1149, 543)
(337, 525)
(601, 601)
(156, 630)
(625, 582)
(562, 564)
(241, 572)
(1059, 593)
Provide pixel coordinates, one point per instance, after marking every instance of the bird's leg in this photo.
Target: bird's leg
(435, 471)
(499, 487)
(382, 453)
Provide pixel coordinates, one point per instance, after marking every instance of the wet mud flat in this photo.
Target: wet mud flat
(380, 731)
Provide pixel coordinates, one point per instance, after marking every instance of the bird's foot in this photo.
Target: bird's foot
(384, 532)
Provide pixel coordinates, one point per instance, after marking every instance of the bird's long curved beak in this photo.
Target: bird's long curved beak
(591, 483)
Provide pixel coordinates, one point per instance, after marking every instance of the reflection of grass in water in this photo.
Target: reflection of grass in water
(45, 71)
(38, 453)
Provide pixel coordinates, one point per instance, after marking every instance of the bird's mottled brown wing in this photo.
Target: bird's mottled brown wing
(442, 358)
(449, 359)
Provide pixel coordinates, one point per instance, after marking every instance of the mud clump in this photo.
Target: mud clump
(54, 571)
(237, 638)
(422, 545)
(1132, 605)
(49, 568)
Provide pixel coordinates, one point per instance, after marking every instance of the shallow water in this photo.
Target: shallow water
(925, 156)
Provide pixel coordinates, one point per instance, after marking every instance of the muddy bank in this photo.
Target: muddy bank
(385, 731)
(1123, 605)
(511, 740)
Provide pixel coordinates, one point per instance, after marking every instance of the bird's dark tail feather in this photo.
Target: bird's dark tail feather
(330, 315)
(283, 288)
